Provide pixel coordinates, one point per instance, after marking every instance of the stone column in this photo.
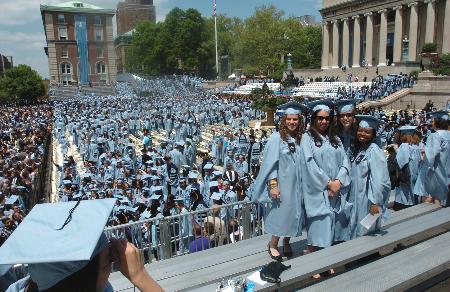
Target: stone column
(345, 42)
(335, 44)
(369, 38)
(325, 46)
(383, 38)
(398, 34)
(446, 33)
(356, 41)
(413, 30)
(431, 14)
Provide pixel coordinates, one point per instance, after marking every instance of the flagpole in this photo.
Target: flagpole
(215, 33)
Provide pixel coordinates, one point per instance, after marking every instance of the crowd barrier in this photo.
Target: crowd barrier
(167, 237)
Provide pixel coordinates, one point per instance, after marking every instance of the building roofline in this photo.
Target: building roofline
(51, 8)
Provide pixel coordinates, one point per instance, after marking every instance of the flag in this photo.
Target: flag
(215, 7)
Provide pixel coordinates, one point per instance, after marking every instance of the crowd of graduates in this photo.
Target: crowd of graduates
(24, 134)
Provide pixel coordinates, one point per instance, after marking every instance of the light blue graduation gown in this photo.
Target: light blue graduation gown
(434, 175)
(407, 155)
(370, 185)
(323, 164)
(285, 217)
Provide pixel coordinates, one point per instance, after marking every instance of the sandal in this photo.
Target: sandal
(287, 251)
(277, 258)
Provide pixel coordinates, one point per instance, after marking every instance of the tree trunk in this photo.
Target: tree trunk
(270, 121)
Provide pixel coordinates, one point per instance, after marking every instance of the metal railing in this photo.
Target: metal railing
(167, 237)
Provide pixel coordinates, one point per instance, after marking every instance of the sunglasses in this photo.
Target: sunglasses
(321, 118)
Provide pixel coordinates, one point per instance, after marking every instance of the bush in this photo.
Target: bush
(443, 68)
(429, 48)
(414, 73)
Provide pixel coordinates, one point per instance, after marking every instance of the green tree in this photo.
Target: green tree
(443, 68)
(21, 84)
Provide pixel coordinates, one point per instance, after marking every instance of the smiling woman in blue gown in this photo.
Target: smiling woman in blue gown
(279, 181)
(370, 178)
(326, 172)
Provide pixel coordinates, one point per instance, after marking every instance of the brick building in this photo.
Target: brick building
(130, 12)
(80, 46)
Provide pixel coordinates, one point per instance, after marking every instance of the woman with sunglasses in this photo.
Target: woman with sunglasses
(327, 171)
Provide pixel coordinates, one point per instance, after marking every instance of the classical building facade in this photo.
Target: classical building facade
(80, 46)
(130, 12)
(382, 32)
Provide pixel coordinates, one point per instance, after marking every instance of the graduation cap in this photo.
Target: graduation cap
(345, 105)
(192, 175)
(323, 104)
(368, 121)
(145, 215)
(216, 196)
(213, 184)
(11, 200)
(440, 115)
(217, 173)
(293, 108)
(407, 130)
(156, 196)
(64, 239)
(208, 166)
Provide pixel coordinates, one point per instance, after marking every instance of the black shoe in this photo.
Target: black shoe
(277, 258)
(286, 253)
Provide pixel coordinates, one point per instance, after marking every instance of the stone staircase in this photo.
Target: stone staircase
(385, 101)
(65, 92)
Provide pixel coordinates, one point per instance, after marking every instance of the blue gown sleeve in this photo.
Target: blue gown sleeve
(314, 182)
(379, 184)
(344, 171)
(317, 178)
(433, 147)
(403, 155)
(269, 169)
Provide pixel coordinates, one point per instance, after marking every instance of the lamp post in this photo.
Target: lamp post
(405, 49)
(289, 61)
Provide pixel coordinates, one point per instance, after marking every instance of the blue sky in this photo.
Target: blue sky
(22, 34)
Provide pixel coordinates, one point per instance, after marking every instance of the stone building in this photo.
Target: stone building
(130, 12)
(80, 47)
(382, 32)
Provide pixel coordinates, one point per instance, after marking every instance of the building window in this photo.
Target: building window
(61, 18)
(98, 20)
(101, 68)
(78, 4)
(62, 33)
(99, 52)
(98, 34)
(64, 52)
(66, 73)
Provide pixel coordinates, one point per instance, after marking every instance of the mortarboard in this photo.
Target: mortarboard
(213, 184)
(407, 129)
(368, 121)
(11, 200)
(208, 166)
(293, 108)
(216, 196)
(440, 115)
(323, 104)
(64, 239)
(345, 105)
(192, 175)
